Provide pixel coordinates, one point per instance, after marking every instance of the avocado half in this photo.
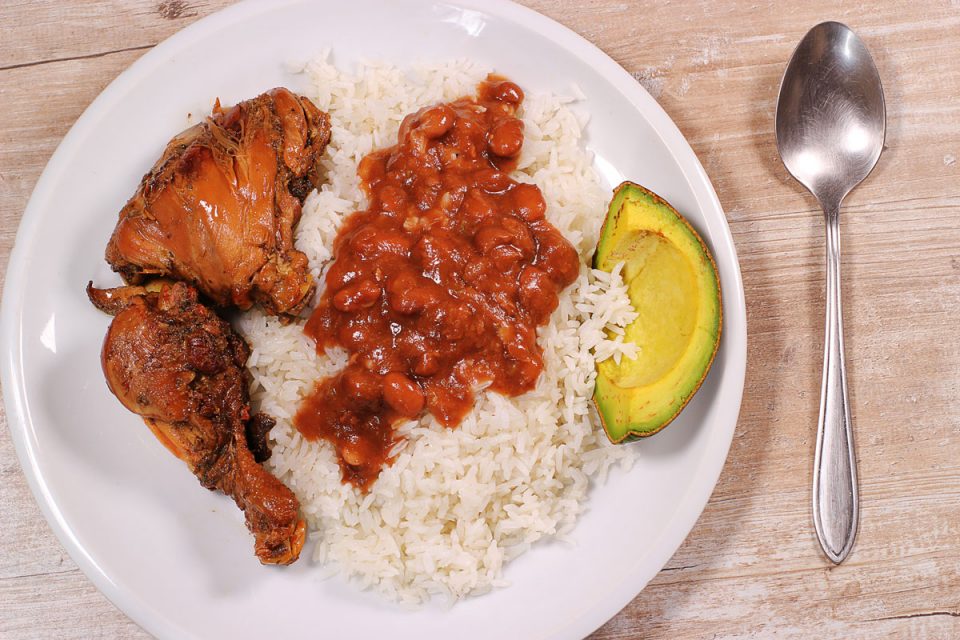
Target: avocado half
(673, 285)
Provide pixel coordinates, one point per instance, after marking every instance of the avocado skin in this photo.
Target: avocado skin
(632, 412)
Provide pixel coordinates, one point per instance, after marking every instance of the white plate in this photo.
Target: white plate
(178, 559)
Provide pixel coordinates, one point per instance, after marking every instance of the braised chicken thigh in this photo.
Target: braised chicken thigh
(172, 361)
(219, 207)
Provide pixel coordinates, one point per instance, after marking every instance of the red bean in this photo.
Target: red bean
(528, 202)
(403, 394)
(520, 234)
(393, 199)
(491, 236)
(436, 121)
(477, 206)
(537, 294)
(455, 320)
(372, 242)
(476, 271)
(492, 181)
(352, 454)
(450, 201)
(505, 258)
(411, 293)
(361, 294)
(426, 364)
(556, 256)
(361, 385)
(506, 91)
(506, 138)
(354, 336)
(426, 193)
(340, 273)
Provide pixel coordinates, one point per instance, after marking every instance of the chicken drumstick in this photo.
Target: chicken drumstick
(172, 361)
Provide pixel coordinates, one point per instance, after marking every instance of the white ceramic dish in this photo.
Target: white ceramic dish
(178, 559)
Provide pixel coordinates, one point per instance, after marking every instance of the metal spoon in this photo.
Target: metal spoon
(831, 121)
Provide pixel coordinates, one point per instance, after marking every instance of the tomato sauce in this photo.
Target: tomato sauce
(437, 288)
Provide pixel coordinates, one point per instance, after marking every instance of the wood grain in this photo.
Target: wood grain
(751, 567)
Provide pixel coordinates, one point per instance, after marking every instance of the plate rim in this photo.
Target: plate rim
(19, 420)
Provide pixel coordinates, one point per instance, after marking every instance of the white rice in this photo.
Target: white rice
(457, 504)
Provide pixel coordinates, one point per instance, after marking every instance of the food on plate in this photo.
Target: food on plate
(674, 288)
(437, 288)
(455, 505)
(456, 292)
(171, 360)
(219, 207)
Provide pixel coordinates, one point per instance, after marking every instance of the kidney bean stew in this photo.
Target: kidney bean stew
(437, 288)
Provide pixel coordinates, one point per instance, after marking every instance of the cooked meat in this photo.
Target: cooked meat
(258, 428)
(171, 360)
(219, 207)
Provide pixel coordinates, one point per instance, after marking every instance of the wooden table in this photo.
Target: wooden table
(751, 567)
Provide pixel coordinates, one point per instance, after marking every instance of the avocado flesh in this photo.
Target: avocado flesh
(673, 285)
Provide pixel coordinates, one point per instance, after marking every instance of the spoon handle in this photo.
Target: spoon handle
(835, 501)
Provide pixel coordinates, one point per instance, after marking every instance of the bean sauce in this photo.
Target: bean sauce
(437, 288)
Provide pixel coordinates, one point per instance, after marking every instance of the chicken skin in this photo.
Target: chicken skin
(172, 361)
(219, 207)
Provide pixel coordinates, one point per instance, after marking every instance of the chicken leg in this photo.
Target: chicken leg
(172, 361)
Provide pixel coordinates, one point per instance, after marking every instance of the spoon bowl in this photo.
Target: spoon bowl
(831, 115)
(831, 122)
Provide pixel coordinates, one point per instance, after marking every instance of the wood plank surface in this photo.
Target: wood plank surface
(751, 567)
